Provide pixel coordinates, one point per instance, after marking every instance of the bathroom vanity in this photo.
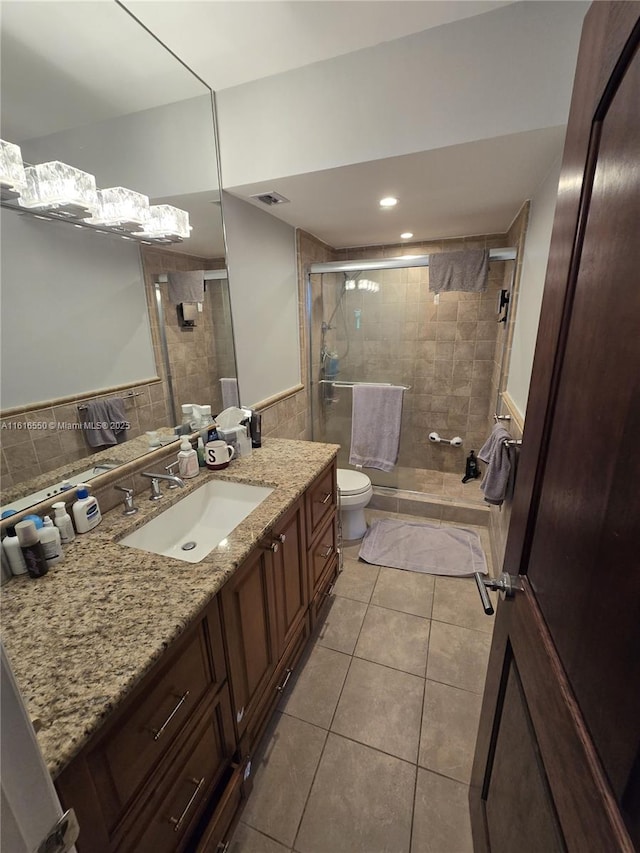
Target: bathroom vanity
(155, 678)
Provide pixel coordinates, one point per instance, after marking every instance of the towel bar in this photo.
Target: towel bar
(352, 384)
(512, 442)
(502, 418)
(84, 406)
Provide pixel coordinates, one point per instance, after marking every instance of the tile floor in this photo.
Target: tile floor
(370, 750)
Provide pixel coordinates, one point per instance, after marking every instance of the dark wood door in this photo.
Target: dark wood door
(248, 609)
(557, 763)
(289, 575)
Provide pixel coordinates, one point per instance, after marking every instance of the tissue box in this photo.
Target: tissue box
(238, 438)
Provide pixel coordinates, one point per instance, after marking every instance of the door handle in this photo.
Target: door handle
(506, 584)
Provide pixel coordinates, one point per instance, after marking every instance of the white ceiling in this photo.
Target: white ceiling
(228, 42)
(118, 68)
(476, 188)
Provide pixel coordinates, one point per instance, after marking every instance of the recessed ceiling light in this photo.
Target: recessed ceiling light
(406, 236)
(389, 201)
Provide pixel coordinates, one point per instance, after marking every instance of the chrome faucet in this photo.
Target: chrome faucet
(156, 494)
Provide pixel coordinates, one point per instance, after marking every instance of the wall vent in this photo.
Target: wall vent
(270, 198)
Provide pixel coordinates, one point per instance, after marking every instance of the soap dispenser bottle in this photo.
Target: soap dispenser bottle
(187, 460)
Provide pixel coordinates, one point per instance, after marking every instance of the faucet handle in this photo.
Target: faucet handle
(170, 470)
(129, 507)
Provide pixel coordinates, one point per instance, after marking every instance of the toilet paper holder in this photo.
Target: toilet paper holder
(456, 441)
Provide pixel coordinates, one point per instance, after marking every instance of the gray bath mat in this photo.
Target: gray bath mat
(420, 547)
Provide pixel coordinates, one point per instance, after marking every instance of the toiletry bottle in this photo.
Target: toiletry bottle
(62, 521)
(13, 552)
(187, 460)
(32, 550)
(200, 451)
(187, 414)
(206, 421)
(255, 428)
(86, 512)
(471, 470)
(51, 544)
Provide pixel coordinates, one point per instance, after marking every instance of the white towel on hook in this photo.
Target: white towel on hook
(375, 426)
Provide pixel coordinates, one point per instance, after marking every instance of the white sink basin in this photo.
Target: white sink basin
(193, 527)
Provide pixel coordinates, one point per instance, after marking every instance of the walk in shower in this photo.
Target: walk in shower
(376, 321)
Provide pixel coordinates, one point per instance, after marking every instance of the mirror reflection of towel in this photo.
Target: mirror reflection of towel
(104, 422)
(186, 286)
(229, 389)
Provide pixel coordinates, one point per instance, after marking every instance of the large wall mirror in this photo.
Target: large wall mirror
(87, 85)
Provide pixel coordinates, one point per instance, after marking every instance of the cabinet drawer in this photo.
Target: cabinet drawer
(321, 500)
(218, 826)
(321, 554)
(323, 595)
(142, 737)
(171, 815)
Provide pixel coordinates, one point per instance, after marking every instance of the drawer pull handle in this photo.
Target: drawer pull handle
(326, 498)
(281, 537)
(177, 822)
(329, 591)
(327, 553)
(282, 686)
(157, 733)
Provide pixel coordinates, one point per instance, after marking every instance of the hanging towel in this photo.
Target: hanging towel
(105, 422)
(467, 271)
(495, 482)
(186, 286)
(229, 389)
(375, 426)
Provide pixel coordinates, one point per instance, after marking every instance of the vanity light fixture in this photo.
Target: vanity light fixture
(166, 224)
(407, 235)
(69, 194)
(61, 188)
(12, 177)
(119, 207)
(371, 286)
(388, 201)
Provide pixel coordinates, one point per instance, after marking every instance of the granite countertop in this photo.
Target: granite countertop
(80, 638)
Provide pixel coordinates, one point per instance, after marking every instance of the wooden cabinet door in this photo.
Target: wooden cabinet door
(248, 612)
(557, 764)
(289, 575)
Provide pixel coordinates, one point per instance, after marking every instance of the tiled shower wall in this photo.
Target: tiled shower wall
(444, 351)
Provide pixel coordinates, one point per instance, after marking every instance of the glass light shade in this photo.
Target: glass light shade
(119, 207)
(12, 177)
(349, 284)
(57, 186)
(166, 223)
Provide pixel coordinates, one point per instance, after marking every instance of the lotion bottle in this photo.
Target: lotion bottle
(13, 552)
(187, 460)
(62, 521)
(86, 512)
(51, 543)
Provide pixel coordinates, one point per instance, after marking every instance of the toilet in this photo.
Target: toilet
(355, 493)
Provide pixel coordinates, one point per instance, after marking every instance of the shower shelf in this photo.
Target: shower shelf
(351, 384)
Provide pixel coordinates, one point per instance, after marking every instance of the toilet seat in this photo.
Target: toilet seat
(352, 482)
